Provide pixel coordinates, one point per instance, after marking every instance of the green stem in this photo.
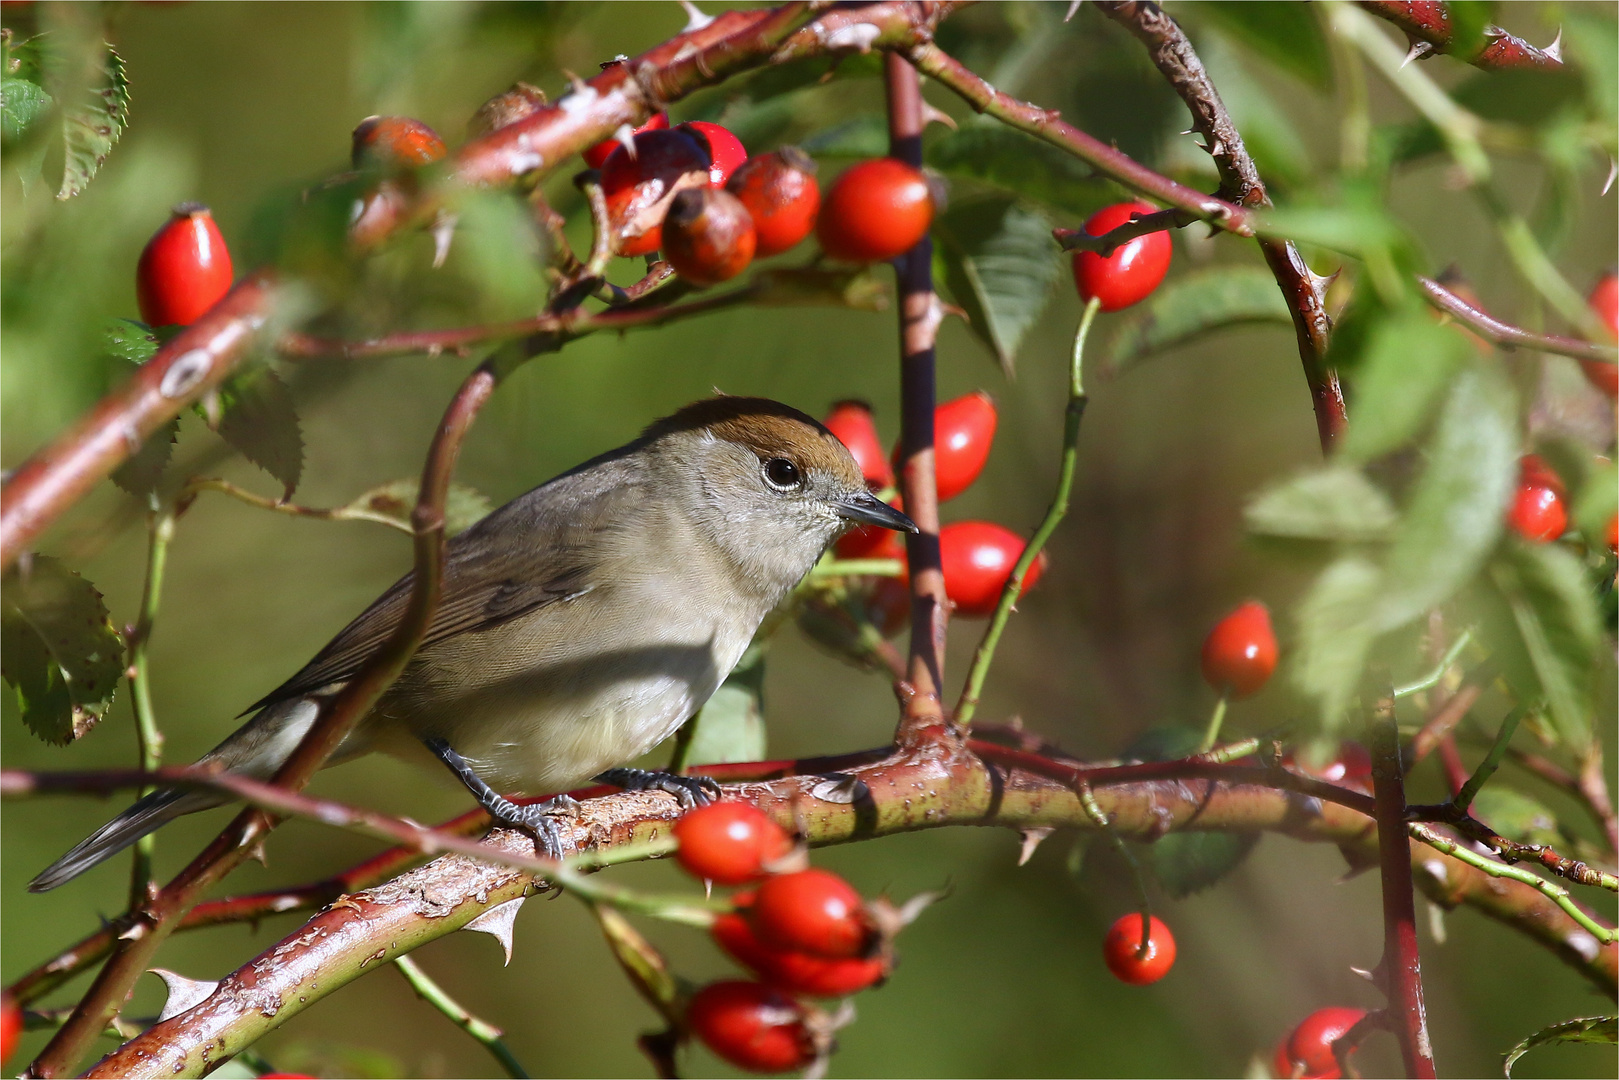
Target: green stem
(1212, 735)
(1491, 762)
(858, 567)
(1431, 679)
(1555, 893)
(1143, 904)
(985, 654)
(148, 737)
(1355, 125)
(482, 1030)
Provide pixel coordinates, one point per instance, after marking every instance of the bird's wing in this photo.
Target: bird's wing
(492, 573)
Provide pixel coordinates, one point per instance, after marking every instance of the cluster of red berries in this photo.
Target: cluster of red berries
(977, 556)
(802, 931)
(692, 191)
(1306, 1053)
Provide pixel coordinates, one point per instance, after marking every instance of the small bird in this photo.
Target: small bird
(580, 624)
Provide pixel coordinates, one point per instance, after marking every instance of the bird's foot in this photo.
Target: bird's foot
(692, 791)
(538, 820)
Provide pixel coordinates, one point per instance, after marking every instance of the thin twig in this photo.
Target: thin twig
(1431, 679)
(197, 485)
(482, 1030)
(1139, 225)
(1505, 334)
(148, 736)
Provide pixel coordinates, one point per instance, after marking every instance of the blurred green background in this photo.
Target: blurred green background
(237, 105)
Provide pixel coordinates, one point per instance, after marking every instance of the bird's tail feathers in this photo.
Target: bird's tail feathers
(148, 814)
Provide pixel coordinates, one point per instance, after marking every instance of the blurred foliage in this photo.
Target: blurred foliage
(1200, 482)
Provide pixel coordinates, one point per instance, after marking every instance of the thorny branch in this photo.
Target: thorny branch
(1428, 26)
(1505, 334)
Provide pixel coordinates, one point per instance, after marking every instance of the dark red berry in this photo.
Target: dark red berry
(1352, 765)
(978, 557)
(10, 1027)
(396, 142)
(751, 1026)
(889, 604)
(725, 151)
(876, 210)
(1307, 1051)
(1539, 511)
(708, 236)
(1613, 534)
(963, 431)
(520, 101)
(1604, 300)
(597, 155)
(853, 424)
(640, 188)
(813, 911)
(728, 842)
(1240, 652)
(793, 972)
(780, 192)
(184, 270)
(1121, 949)
(1132, 272)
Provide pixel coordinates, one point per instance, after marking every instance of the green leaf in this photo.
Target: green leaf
(1333, 503)
(258, 419)
(58, 649)
(1602, 1030)
(143, 470)
(1591, 42)
(126, 339)
(1528, 96)
(1596, 500)
(1515, 815)
(1267, 130)
(996, 156)
(1556, 617)
(1468, 18)
(92, 123)
(22, 106)
(1335, 634)
(863, 136)
(1407, 362)
(1353, 229)
(1001, 255)
(463, 506)
(1288, 35)
(731, 725)
(1195, 304)
(1187, 862)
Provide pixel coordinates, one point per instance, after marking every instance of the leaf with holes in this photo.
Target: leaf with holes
(1599, 1030)
(392, 503)
(1558, 625)
(92, 122)
(58, 649)
(1195, 304)
(1333, 503)
(1001, 265)
(257, 418)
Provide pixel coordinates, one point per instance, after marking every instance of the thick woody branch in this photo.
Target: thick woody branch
(938, 785)
(1427, 24)
(1174, 56)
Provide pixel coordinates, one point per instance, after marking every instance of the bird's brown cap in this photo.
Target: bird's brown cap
(768, 428)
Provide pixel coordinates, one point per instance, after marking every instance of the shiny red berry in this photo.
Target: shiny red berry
(1121, 949)
(780, 192)
(597, 155)
(184, 270)
(708, 236)
(1132, 272)
(1352, 765)
(639, 189)
(852, 422)
(751, 1026)
(728, 842)
(1604, 300)
(978, 557)
(876, 210)
(793, 972)
(1240, 652)
(1307, 1050)
(10, 1027)
(396, 142)
(813, 911)
(1539, 510)
(725, 151)
(1613, 534)
(963, 431)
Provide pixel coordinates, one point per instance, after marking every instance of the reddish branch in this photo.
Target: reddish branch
(1427, 24)
(1175, 58)
(1507, 335)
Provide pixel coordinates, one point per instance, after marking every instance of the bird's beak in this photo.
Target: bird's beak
(868, 509)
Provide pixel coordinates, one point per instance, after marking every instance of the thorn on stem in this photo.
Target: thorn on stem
(1555, 49)
(1418, 51)
(695, 18)
(1032, 839)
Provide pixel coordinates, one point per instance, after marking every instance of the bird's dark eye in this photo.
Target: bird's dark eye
(782, 474)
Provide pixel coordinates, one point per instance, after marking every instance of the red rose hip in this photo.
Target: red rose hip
(396, 142)
(1132, 272)
(963, 431)
(1121, 950)
(639, 189)
(876, 210)
(1539, 511)
(978, 558)
(853, 424)
(781, 194)
(596, 156)
(794, 972)
(1604, 300)
(728, 842)
(725, 151)
(1307, 1050)
(184, 270)
(10, 1027)
(813, 911)
(1240, 652)
(708, 236)
(751, 1026)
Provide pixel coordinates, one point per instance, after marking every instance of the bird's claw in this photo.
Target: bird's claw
(692, 791)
